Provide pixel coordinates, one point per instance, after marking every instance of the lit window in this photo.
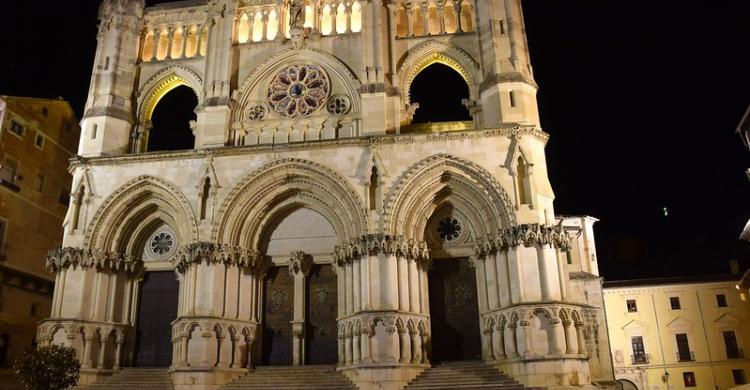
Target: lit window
(675, 303)
(632, 308)
(258, 27)
(356, 17)
(326, 21)
(689, 378)
(273, 25)
(341, 18)
(243, 33)
(309, 17)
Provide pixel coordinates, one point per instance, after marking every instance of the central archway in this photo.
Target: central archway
(446, 106)
(170, 121)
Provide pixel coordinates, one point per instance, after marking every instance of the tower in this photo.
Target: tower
(314, 220)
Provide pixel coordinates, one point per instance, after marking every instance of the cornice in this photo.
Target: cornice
(366, 141)
(68, 257)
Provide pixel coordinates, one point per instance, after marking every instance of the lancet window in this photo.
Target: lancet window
(437, 17)
(173, 42)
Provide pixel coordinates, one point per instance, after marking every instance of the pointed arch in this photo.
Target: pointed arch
(279, 187)
(432, 51)
(161, 83)
(125, 219)
(441, 179)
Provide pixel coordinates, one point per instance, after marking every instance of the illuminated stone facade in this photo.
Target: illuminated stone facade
(308, 185)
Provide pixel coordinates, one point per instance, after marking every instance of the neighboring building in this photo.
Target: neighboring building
(308, 218)
(695, 329)
(37, 138)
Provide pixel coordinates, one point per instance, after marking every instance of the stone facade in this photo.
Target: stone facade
(37, 137)
(305, 156)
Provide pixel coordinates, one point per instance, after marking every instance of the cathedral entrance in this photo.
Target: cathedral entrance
(454, 314)
(321, 307)
(157, 308)
(278, 312)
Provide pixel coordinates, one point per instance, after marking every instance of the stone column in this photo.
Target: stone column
(356, 346)
(364, 266)
(498, 341)
(490, 273)
(185, 345)
(526, 336)
(557, 337)
(236, 352)
(488, 352)
(571, 341)
(409, 22)
(170, 37)
(441, 16)
(342, 349)
(356, 286)
(102, 346)
(404, 284)
(416, 346)
(512, 344)
(413, 272)
(457, 12)
(477, 261)
(404, 345)
(119, 341)
(221, 362)
(88, 339)
(249, 352)
(300, 264)
(515, 274)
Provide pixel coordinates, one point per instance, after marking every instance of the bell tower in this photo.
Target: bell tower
(108, 116)
(508, 91)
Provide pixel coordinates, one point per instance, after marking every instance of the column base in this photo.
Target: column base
(550, 372)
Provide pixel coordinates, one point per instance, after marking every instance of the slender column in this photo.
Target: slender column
(498, 341)
(185, 345)
(342, 349)
(423, 290)
(441, 16)
(413, 274)
(580, 338)
(404, 346)
(349, 288)
(348, 19)
(478, 265)
(334, 11)
(154, 52)
(562, 275)
(512, 343)
(365, 283)
(61, 294)
(409, 23)
(403, 284)
(457, 12)
(221, 362)
(112, 297)
(356, 287)
(523, 340)
(184, 37)
(487, 347)
(198, 33)
(249, 352)
(426, 18)
(544, 261)
(356, 346)
(300, 264)
(102, 347)
(364, 339)
(557, 337)
(503, 280)
(490, 274)
(88, 338)
(416, 347)
(423, 346)
(571, 341)
(118, 352)
(390, 285)
(236, 361)
(265, 26)
(515, 272)
(349, 350)
(170, 36)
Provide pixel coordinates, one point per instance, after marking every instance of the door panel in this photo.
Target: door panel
(321, 315)
(157, 308)
(454, 314)
(278, 314)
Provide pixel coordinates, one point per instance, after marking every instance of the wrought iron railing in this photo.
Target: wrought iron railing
(643, 358)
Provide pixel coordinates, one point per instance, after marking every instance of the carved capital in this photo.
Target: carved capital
(210, 253)
(527, 235)
(68, 257)
(300, 263)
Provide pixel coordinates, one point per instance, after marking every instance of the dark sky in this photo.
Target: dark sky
(640, 98)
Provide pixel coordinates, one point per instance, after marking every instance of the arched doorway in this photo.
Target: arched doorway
(445, 106)
(171, 121)
(454, 313)
(300, 229)
(157, 308)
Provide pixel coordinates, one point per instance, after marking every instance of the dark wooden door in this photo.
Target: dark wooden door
(454, 314)
(278, 314)
(157, 308)
(321, 307)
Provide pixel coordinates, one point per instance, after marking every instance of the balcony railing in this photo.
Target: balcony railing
(640, 359)
(685, 356)
(735, 353)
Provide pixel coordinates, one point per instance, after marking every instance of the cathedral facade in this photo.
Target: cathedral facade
(311, 221)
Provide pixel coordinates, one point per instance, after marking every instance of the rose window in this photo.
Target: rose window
(256, 112)
(449, 229)
(338, 104)
(162, 243)
(298, 91)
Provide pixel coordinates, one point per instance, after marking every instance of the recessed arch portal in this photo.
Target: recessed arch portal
(446, 106)
(170, 121)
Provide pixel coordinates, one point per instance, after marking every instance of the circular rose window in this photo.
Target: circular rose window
(162, 244)
(449, 229)
(298, 91)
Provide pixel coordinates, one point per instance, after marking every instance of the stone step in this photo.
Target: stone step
(463, 375)
(292, 378)
(134, 378)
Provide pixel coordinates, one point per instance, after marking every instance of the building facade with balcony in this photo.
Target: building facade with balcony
(37, 138)
(685, 333)
(306, 216)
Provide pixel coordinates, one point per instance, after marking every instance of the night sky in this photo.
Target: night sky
(641, 100)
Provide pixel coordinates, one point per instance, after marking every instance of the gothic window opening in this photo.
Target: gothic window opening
(204, 197)
(77, 204)
(171, 121)
(204, 42)
(258, 27)
(163, 45)
(178, 39)
(356, 17)
(309, 17)
(374, 189)
(341, 18)
(512, 98)
(148, 46)
(523, 182)
(467, 17)
(243, 32)
(402, 23)
(450, 18)
(326, 21)
(433, 19)
(273, 25)
(417, 21)
(445, 106)
(191, 46)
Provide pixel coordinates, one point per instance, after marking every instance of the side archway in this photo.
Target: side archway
(280, 187)
(442, 179)
(127, 218)
(161, 83)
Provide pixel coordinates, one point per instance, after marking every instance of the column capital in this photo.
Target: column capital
(70, 257)
(528, 235)
(377, 244)
(300, 263)
(230, 255)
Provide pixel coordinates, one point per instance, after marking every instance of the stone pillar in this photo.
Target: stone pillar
(342, 349)
(249, 340)
(102, 346)
(511, 344)
(515, 274)
(356, 346)
(488, 352)
(571, 341)
(416, 346)
(404, 345)
(498, 341)
(403, 283)
(490, 272)
(88, 339)
(477, 261)
(300, 264)
(526, 336)
(185, 344)
(119, 341)
(557, 337)
(441, 16)
(236, 352)
(364, 266)
(413, 272)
